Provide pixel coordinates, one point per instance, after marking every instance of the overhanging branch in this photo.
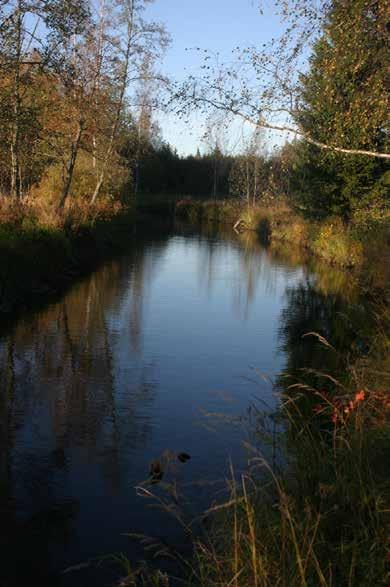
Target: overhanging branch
(282, 128)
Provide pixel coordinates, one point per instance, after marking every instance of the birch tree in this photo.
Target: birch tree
(248, 177)
(82, 101)
(136, 39)
(25, 24)
(262, 85)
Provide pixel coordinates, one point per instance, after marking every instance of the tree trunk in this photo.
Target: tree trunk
(215, 178)
(138, 156)
(71, 165)
(96, 83)
(248, 189)
(15, 163)
(137, 177)
(255, 180)
(115, 124)
(15, 132)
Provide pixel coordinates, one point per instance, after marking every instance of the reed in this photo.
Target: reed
(42, 249)
(318, 514)
(331, 239)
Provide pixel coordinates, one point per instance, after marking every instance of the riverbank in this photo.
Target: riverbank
(42, 251)
(316, 513)
(331, 240)
(321, 519)
(313, 513)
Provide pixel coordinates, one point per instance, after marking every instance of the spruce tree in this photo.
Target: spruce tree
(345, 99)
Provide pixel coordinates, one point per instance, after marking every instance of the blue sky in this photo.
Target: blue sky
(217, 25)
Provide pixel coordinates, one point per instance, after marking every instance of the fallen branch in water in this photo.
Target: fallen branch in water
(237, 224)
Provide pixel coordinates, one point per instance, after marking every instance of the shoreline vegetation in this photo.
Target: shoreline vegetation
(316, 512)
(51, 250)
(347, 245)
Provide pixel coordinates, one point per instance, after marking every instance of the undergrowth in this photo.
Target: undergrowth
(318, 515)
(331, 239)
(41, 249)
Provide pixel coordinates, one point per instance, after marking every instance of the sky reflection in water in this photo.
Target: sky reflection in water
(127, 364)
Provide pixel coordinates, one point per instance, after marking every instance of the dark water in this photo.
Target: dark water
(133, 361)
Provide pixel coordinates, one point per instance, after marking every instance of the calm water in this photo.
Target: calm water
(135, 360)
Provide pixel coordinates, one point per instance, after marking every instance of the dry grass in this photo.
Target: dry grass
(83, 181)
(31, 213)
(330, 239)
(207, 210)
(320, 518)
(48, 247)
(277, 532)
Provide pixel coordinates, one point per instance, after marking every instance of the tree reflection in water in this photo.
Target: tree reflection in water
(61, 408)
(98, 384)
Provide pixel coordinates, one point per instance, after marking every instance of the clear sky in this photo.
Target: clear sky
(217, 25)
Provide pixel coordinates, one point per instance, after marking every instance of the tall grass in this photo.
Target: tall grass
(319, 522)
(42, 248)
(32, 212)
(197, 210)
(331, 239)
(318, 515)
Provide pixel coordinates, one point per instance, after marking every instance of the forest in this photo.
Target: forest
(301, 205)
(80, 85)
(66, 68)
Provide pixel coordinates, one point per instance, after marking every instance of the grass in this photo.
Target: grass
(207, 210)
(321, 522)
(320, 516)
(192, 210)
(330, 239)
(41, 250)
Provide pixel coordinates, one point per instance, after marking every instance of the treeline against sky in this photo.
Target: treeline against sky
(76, 76)
(250, 176)
(336, 104)
(79, 86)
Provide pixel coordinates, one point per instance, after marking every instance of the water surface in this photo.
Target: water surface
(134, 360)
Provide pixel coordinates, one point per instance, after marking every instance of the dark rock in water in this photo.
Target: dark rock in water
(183, 457)
(156, 472)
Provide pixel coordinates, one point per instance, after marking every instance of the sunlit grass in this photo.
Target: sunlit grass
(319, 514)
(40, 246)
(347, 245)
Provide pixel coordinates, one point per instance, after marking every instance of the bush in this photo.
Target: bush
(84, 180)
(335, 243)
(42, 244)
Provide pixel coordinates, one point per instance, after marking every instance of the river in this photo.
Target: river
(161, 349)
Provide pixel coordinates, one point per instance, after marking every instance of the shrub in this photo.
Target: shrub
(335, 243)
